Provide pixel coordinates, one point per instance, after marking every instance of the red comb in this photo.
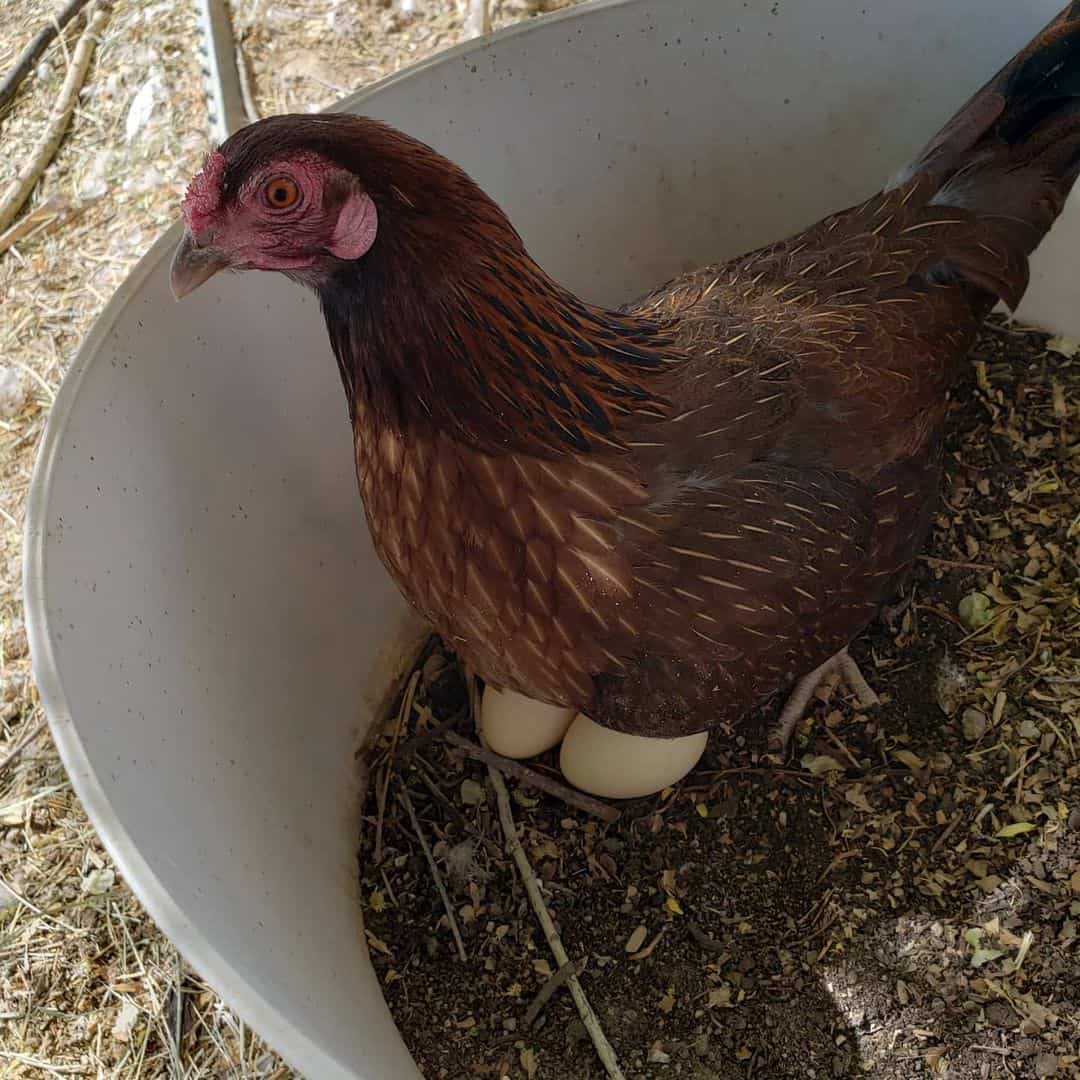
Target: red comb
(204, 192)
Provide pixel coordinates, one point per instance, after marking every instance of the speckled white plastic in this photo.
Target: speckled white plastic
(210, 627)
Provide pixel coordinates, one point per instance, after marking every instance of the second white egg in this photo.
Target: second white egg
(615, 765)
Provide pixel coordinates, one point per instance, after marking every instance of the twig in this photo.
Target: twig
(243, 71)
(176, 1027)
(549, 988)
(34, 50)
(551, 934)
(952, 564)
(1024, 663)
(14, 753)
(533, 779)
(408, 749)
(459, 818)
(403, 795)
(944, 837)
(20, 188)
(40, 219)
(404, 712)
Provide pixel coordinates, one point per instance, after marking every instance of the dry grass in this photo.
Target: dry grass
(88, 986)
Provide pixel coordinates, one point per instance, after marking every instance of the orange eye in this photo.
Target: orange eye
(282, 192)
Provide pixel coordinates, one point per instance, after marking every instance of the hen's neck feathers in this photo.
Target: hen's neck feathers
(448, 325)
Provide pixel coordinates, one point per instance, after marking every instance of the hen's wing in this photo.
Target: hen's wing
(795, 477)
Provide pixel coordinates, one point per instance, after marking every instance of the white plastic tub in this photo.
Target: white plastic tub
(210, 628)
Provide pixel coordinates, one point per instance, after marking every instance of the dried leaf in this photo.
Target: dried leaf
(377, 944)
(973, 722)
(1063, 346)
(935, 1058)
(1015, 829)
(528, 1062)
(821, 764)
(906, 757)
(99, 882)
(644, 954)
(125, 1021)
(472, 793)
(975, 610)
(983, 955)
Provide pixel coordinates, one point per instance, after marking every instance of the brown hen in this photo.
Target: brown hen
(663, 514)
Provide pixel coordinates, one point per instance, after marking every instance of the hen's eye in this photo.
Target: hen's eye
(282, 192)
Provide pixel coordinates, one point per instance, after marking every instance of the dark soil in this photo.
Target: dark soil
(856, 910)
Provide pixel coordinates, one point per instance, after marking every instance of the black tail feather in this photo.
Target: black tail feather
(1031, 96)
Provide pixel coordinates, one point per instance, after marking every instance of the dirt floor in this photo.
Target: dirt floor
(900, 897)
(858, 909)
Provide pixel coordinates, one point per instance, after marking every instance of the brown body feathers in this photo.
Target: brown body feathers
(666, 513)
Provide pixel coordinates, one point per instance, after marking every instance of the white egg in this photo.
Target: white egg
(618, 766)
(519, 727)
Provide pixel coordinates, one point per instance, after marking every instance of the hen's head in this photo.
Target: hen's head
(435, 311)
(306, 194)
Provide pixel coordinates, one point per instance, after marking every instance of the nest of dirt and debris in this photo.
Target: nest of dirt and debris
(899, 898)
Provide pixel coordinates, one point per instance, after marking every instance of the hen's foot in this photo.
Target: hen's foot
(794, 710)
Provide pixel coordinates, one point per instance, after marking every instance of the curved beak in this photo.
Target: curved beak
(192, 265)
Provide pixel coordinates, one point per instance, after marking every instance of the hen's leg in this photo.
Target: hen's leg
(795, 708)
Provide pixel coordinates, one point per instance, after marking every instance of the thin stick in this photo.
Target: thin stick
(38, 220)
(402, 719)
(533, 779)
(34, 50)
(409, 748)
(243, 70)
(403, 795)
(549, 988)
(14, 753)
(462, 822)
(20, 188)
(952, 564)
(176, 1028)
(551, 934)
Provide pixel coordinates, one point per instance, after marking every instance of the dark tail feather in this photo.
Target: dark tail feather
(1012, 153)
(1032, 88)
